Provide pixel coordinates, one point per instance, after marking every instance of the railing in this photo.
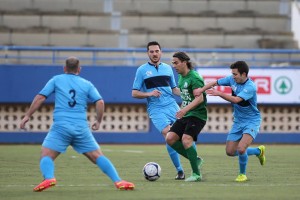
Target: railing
(39, 55)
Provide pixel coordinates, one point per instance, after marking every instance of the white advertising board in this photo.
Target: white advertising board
(274, 86)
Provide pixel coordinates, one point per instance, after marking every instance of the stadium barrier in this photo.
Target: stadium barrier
(126, 120)
(92, 56)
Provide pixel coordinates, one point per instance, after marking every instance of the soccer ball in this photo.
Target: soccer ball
(151, 171)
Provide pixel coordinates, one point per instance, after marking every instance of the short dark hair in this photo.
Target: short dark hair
(182, 56)
(241, 66)
(72, 64)
(152, 44)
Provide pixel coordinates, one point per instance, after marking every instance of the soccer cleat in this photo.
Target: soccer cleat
(241, 178)
(124, 185)
(180, 176)
(194, 178)
(47, 183)
(261, 156)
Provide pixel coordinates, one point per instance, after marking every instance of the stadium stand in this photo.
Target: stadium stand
(175, 23)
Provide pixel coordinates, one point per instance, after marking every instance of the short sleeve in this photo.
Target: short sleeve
(172, 81)
(198, 81)
(224, 81)
(49, 88)
(94, 94)
(138, 80)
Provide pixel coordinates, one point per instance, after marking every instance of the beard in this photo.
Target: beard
(155, 60)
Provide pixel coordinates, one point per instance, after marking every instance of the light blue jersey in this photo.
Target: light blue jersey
(161, 110)
(246, 115)
(247, 109)
(72, 93)
(70, 127)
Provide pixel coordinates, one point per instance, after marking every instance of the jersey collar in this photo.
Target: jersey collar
(154, 65)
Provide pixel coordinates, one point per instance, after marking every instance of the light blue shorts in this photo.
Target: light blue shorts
(238, 129)
(61, 136)
(162, 117)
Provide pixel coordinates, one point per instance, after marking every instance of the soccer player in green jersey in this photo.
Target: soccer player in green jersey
(192, 116)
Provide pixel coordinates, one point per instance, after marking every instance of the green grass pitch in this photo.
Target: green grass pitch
(78, 178)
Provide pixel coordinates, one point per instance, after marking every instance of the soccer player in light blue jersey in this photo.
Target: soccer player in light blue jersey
(70, 125)
(247, 119)
(155, 81)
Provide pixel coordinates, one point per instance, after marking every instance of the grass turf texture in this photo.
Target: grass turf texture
(77, 178)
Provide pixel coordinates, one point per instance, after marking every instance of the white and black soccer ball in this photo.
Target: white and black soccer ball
(151, 171)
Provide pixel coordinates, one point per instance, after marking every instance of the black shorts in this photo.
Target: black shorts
(188, 125)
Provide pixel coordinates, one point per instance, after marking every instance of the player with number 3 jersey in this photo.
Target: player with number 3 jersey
(70, 125)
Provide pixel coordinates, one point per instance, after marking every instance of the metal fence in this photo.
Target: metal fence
(136, 56)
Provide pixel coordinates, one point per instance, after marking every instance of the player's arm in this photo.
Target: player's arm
(141, 95)
(36, 103)
(209, 85)
(176, 91)
(198, 99)
(227, 97)
(99, 114)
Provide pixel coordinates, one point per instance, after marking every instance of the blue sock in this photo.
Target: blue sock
(250, 151)
(174, 157)
(243, 160)
(47, 167)
(107, 168)
(253, 151)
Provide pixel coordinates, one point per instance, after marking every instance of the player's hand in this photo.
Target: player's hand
(95, 125)
(180, 113)
(213, 92)
(24, 121)
(156, 93)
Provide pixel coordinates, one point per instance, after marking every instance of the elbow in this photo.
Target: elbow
(40, 98)
(100, 102)
(134, 94)
(199, 98)
(235, 102)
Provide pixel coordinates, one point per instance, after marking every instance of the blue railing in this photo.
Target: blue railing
(135, 56)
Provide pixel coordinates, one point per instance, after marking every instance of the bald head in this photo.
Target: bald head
(72, 65)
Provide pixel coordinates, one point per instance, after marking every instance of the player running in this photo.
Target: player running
(70, 126)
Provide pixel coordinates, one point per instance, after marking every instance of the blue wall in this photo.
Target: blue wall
(19, 84)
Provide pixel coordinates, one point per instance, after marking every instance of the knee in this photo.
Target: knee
(165, 131)
(187, 141)
(169, 139)
(94, 155)
(241, 150)
(230, 153)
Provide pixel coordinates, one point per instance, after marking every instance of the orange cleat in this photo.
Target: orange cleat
(124, 185)
(47, 183)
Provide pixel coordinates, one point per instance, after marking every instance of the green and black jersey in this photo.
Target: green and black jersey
(187, 84)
